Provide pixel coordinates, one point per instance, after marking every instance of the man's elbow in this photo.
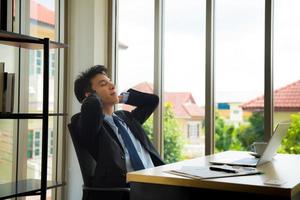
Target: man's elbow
(155, 100)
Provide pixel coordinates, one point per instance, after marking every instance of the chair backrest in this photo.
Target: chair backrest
(86, 162)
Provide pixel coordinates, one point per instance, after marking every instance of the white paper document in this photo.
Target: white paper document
(206, 173)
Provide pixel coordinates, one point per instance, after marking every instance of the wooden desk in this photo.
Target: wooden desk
(154, 183)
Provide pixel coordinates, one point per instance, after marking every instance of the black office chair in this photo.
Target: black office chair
(87, 166)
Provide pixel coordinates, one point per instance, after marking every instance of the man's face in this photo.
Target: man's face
(105, 89)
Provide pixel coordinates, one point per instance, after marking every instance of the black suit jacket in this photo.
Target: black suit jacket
(97, 136)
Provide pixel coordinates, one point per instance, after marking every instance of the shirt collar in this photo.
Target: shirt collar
(110, 117)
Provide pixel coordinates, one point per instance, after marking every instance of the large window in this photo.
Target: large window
(184, 79)
(136, 45)
(239, 73)
(136, 49)
(8, 56)
(287, 71)
(20, 152)
(184, 99)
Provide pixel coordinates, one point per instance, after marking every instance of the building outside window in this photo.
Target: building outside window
(34, 143)
(193, 130)
(38, 60)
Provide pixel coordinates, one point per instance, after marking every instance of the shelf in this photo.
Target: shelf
(25, 188)
(28, 115)
(32, 186)
(25, 41)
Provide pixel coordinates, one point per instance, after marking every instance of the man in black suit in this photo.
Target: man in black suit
(116, 140)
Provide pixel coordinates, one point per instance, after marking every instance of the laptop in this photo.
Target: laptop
(267, 155)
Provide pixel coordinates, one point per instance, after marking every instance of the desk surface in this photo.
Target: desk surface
(283, 167)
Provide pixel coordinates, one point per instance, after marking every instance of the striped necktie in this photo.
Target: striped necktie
(135, 159)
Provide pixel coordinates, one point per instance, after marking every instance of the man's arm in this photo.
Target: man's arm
(91, 118)
(145, 104)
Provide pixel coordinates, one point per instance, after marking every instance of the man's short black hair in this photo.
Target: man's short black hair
(83, 84)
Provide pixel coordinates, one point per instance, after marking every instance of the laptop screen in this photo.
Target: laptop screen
(274, 143)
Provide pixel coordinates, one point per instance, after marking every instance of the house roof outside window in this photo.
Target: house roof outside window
(184, 105)
(286, 99)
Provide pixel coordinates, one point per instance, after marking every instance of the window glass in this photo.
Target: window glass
(42, 24)
(184, 79)
(239, 73)
(136, 49)
(42, 18)
(7, 154)
(37, 18)
(287, 71)
(8, 130)
(136, 44)
(30, 144)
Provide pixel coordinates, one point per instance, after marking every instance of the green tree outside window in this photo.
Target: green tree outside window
(173, 140)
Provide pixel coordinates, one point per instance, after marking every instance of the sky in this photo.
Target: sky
(239, 46)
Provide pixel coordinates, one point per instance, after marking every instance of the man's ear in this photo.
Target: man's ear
(89, 92)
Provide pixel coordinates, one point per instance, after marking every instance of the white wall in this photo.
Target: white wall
(87, 33)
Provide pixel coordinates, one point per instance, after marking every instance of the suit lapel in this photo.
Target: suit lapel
(133, 130)
(112, 134)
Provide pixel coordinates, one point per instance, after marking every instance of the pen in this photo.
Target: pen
(222, 169)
